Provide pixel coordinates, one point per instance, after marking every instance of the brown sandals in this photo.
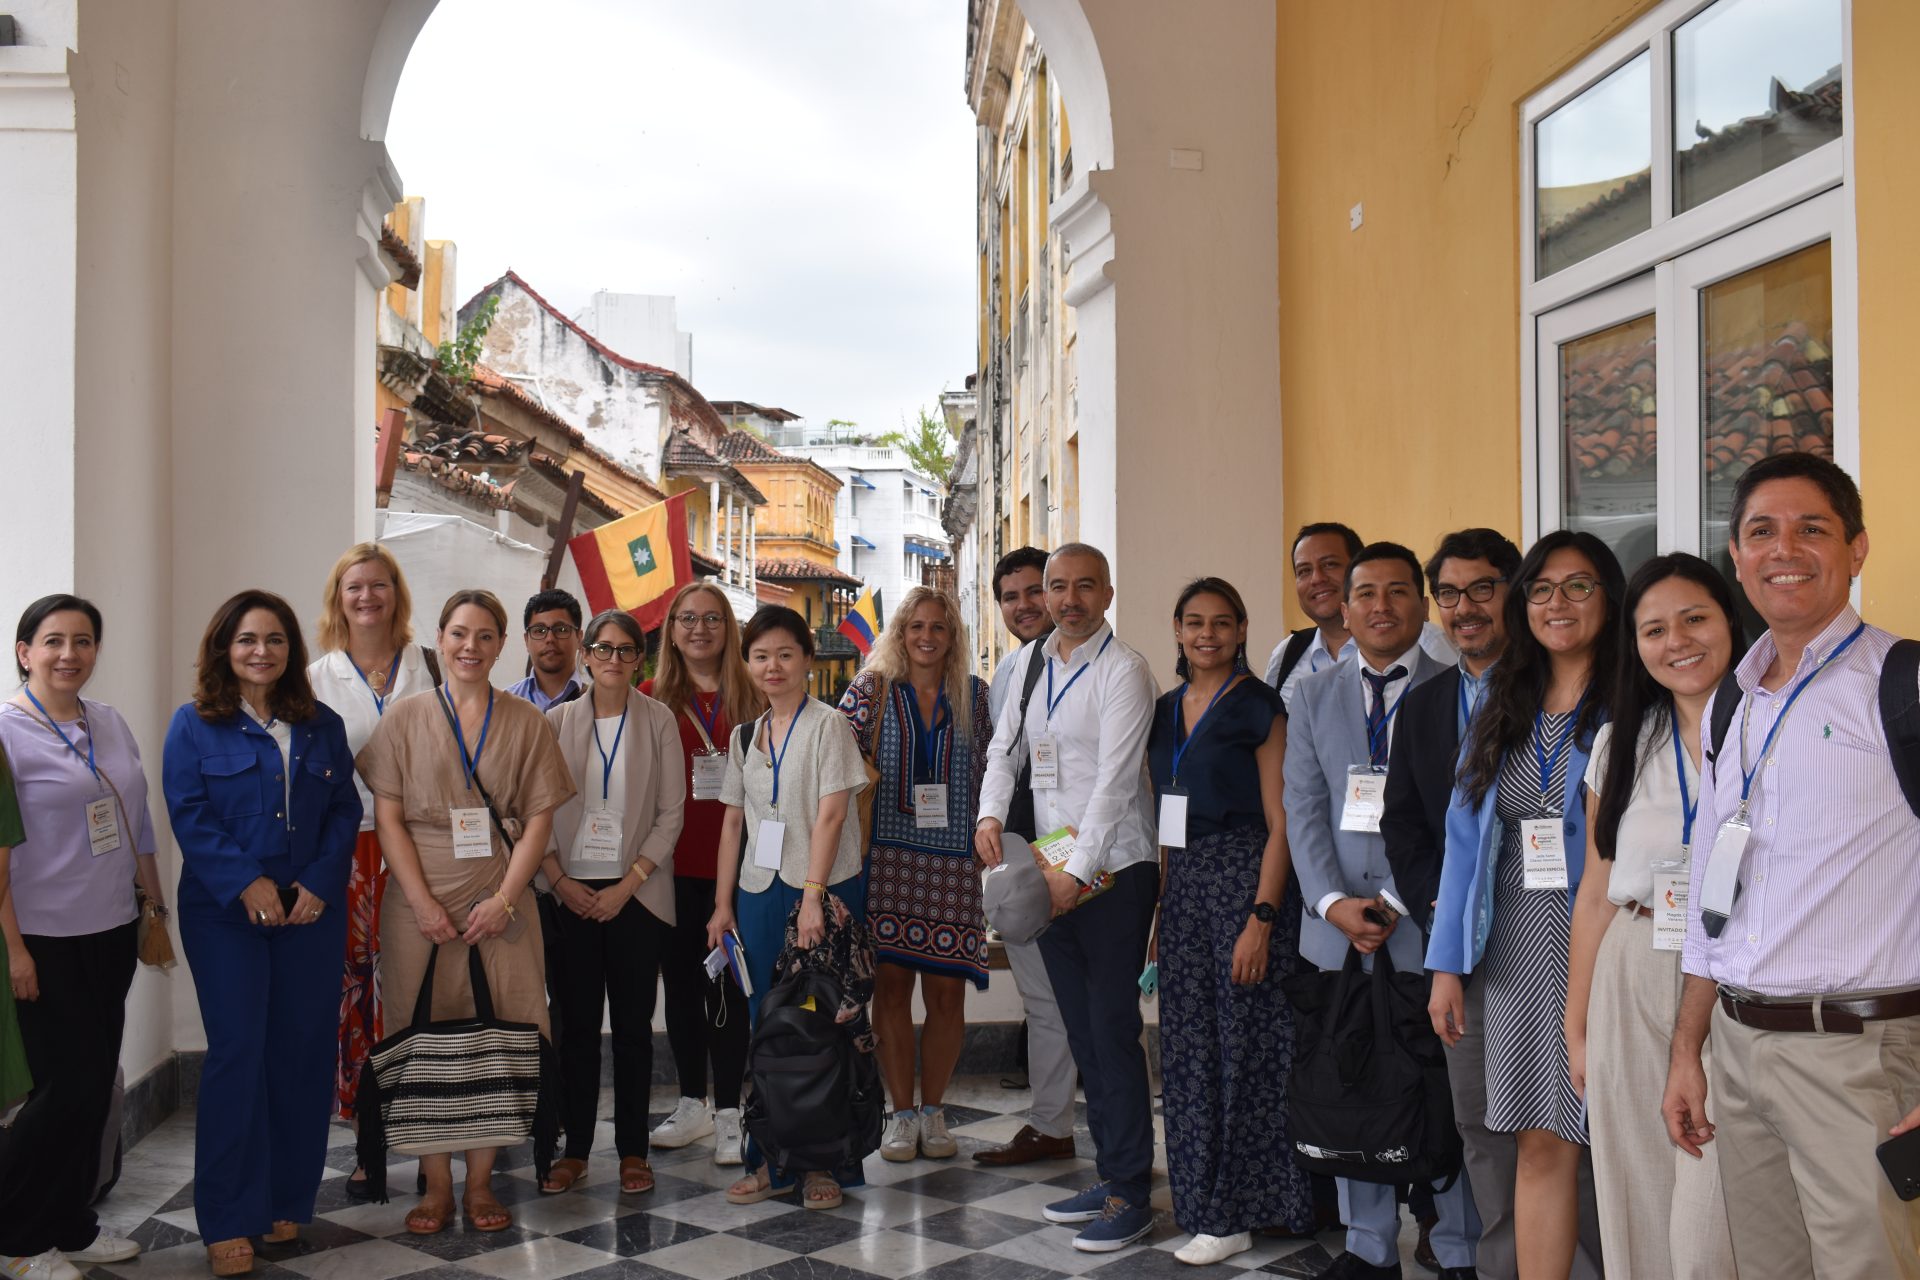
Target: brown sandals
(563, 1175)
(230, 1257)
(484, 1212)
(636, 1175)
(283, 1232)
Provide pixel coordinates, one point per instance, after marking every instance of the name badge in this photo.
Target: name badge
(1173, 819)
(709, 771)
(1044, 757)
(1671, 883)
(472, 834)
(929, 804)
(768, 843)
(1366, 798)
(1543, 852)
(1720, 886)
(600, 840)
(103, 825)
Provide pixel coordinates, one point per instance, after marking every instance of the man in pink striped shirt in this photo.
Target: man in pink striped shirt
(1808, 973)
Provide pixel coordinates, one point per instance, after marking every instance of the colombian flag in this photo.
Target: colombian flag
(637, 562)
(864, 622)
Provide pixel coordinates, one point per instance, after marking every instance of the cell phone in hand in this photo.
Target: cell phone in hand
(1900, 1157)
(1374, 915)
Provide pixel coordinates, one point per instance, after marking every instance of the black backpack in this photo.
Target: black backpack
(812, 1100)
(1368, 1099)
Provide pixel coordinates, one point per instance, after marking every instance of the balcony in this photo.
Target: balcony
(830, 646)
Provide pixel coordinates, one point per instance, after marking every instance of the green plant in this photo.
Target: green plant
(927, 445)
(459, 354)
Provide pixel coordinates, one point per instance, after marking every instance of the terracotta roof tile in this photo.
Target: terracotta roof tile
(684, 453)
(402, 254)
(491, 382)
(455, 479)
(803, 571)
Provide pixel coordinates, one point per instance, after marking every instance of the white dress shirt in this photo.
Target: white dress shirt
(339, 686)
(1433, 638)
(1099, 723)
(1396, 688)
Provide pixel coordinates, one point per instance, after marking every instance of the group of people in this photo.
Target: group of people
(1684, 1071)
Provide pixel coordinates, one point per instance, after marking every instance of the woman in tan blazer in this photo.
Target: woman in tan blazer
(611, 866)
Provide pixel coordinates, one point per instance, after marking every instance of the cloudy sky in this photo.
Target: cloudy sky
(798, 173)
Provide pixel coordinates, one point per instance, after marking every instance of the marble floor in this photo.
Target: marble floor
(950, 1220)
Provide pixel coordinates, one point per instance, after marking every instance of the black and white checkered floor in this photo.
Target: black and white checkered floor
(948, 1219)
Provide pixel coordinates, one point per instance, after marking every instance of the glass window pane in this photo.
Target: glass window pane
(1766, 337)
(1609, 432)
(1756, 83)
(1593, 169)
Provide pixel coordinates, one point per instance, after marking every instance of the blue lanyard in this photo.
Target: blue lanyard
(708, 719)
(606, 758)
(929, 742)
(1052, 701)
(471, 763)
(1547, 762)
(55, 726)
(1386, 721)
(1181, 744)
(1467, 708)
(379, 699)
(774, 758)
(1747, 775)
(1689, 804)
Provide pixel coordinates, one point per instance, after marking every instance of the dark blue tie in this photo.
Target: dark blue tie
(1377, 714)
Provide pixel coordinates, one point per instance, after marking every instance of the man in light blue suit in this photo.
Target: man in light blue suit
(1338, 737)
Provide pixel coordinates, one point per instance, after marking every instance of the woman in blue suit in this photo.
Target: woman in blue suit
(259, 785)
(1516, 844)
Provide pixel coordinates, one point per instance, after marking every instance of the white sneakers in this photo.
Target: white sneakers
(690, 1122)
(51, 1265)
(106, 1248)
(935, 1142)
(1204, 1250)
(902, 1140)
(727, 1140)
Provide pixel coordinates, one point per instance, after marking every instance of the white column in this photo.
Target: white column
(713, 519)
(753, 545)
(731, 575)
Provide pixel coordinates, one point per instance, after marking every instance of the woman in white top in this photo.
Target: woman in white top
(367, 662)
(1662, 1216)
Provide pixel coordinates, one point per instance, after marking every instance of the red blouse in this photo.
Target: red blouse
(696, 855)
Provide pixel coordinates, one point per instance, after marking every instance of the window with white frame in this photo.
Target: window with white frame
(1687, 270)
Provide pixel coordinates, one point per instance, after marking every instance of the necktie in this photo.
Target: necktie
(1377, 713)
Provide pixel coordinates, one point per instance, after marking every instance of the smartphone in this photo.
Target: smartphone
(1374, 915)
(1150, 979)
(289, 894)
(1900, 1157)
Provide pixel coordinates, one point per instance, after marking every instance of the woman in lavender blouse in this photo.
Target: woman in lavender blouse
(69, 924)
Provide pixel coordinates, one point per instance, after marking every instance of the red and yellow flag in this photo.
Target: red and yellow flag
(637, 562)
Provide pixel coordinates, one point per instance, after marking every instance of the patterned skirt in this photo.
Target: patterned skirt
(360, 985)
(924, 911)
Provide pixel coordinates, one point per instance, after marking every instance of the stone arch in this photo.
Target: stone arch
(400, 26)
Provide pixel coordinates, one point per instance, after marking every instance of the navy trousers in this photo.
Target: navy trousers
(1094, 956)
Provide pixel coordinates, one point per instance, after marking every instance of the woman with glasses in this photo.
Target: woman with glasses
(1516, 841)
(702, 679)
(611, 867)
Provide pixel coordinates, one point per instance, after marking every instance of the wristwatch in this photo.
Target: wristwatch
(1265, 913)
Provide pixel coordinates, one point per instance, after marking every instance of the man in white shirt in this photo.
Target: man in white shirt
(1084, 741)
(1019, 585)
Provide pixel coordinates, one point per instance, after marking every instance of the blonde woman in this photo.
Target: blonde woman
(922, 723)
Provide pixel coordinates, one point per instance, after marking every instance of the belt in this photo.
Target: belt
(1645, 913)
(1845, 1014)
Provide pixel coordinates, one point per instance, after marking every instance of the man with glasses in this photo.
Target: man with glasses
(552, 621)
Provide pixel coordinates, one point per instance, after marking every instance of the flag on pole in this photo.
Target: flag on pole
(864, 622)
(637, 562)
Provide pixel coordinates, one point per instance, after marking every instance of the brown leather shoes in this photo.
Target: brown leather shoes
(1027, 1146)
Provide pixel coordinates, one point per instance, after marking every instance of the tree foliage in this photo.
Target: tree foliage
(927, 445)
(460, 353)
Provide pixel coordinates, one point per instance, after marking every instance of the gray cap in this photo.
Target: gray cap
(1015, 893)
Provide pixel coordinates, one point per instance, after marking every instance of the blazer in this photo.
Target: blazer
(234, 819)
(1421, 766)
(1464, 914)
(1326, 734)
(656, 779)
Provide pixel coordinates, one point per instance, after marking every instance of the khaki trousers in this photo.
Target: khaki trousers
(1797, 1116)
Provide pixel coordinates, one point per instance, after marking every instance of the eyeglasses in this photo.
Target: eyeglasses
(693, 620)
(607, 652)
(1479, 591)
(1539, 591)
(559, 631)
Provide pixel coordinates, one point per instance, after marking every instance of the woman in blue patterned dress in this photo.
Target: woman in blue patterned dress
(922, 723)
(1229, 934)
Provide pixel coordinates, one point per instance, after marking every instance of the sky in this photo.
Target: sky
(798, 173)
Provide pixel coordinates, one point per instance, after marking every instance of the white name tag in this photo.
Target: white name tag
(709, 771)
(600, 838)
(929, 804)
(1722, 880)
(1366, 798)
(103, 825)
(472, 836)
(1670, 887)
(1045, 759)
(1173, 819)
(768, 843)
(1543, 850)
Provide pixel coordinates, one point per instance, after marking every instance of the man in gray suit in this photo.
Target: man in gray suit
(1337, 749)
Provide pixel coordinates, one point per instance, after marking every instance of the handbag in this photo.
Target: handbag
(883, 691)
(458, 1085)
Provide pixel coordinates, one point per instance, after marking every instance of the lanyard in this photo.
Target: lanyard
(1181, 744)
(606, 758)
(1374, 736)
(471, 763)
(62, 733)
(1565, 740)
(1689, 803)
(774, 758)
(1468, 707)
(705, 720)
(1052, 701)
(1747, 775)
(928, 742)
(379, 699)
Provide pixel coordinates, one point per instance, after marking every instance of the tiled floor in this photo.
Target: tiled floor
(951, 1220)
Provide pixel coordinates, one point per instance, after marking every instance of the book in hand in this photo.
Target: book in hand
(730, 956)
(1055, 848)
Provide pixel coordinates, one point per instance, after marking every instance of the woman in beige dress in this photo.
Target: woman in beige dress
(432, 765)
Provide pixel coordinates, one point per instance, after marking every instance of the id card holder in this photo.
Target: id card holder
(472, 834)
(929, 805)
(1671, 882)
(768, 842)
(1044, 759)
(103, 826)
(709, 771)
(1173, 818)
(600, 841)
(1366, 798)
(1720, 886)
(1543, 853)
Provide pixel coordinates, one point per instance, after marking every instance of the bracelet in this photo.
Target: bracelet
(637, 870)
(503, 902)
(813, 884)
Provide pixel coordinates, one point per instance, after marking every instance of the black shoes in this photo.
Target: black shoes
(1350, 1266)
